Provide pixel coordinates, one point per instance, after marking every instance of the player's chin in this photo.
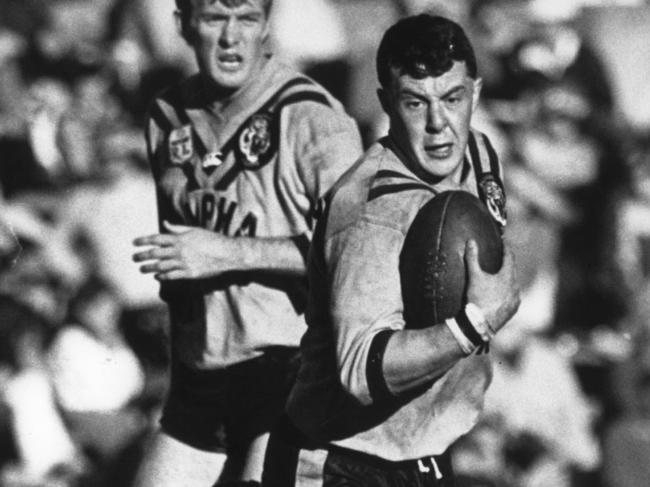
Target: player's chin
(230, 79)
(439, 169)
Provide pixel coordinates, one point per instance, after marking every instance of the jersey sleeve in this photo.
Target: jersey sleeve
(365, 292)
(326, 143)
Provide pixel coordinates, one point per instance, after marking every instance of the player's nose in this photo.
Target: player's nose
(436, 119)
(230, 33)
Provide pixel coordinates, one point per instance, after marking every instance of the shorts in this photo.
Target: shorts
(292, 461)
(220, 410)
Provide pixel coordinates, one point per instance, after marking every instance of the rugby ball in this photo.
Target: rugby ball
(432, 266)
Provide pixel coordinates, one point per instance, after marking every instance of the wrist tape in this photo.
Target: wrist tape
(471, 330)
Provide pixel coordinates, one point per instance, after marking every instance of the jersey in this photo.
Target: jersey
(254, 167)
(356, 295)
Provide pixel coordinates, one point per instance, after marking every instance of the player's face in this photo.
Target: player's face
(228, 37)
(430, 120)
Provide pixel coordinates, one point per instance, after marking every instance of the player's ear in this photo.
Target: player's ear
(476, 93)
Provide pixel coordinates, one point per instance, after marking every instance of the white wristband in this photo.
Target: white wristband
(465, 344)
(479, 322)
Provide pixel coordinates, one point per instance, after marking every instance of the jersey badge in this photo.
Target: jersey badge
(495, 198)
(181, 146)
(255, 140)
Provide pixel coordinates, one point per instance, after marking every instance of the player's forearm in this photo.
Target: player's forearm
(272, 254)
(195, 253)
(416, 357)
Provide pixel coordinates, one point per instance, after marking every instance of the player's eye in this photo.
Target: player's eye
(413, 103)
(250, 19)
(455, 98)
(211, 19)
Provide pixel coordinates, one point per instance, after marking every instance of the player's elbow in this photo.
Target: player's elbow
(361, 373)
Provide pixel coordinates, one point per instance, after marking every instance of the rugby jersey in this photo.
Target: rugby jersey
(256, 167)
(356, 293)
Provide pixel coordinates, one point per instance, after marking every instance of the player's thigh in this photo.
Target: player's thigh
(170, 463)
(286, 464)
(257, 395)
(245, 462)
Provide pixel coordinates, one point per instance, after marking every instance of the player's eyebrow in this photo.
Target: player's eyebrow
(410, 92)
(454, 90)
(232, 3)
(451, 91)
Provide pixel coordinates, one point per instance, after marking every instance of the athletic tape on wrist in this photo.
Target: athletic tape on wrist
(480, 323)
(465, 345)
(468, 329)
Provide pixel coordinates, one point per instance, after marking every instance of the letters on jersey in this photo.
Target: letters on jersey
(199, 166)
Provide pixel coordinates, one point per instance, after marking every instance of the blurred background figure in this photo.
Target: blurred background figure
(98, 379)
(539, 425)
(37, 448)
(97, 217)
(626, 439)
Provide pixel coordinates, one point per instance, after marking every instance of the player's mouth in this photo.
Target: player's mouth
(230, 62)
(439, 151)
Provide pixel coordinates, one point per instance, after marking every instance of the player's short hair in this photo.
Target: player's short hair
(423, 45)
(184, 11)
(185, 6)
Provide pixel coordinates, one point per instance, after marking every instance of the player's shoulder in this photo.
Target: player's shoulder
(353, 199)
(306, 102)
(181, 94)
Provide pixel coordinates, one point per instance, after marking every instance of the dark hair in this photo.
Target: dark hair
(423, 45)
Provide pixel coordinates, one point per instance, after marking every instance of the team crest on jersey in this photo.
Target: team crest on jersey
(495, 199)
(181, 146)
(255, 141)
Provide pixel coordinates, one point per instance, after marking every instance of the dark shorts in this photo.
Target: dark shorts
(220, 410)
(291, 459)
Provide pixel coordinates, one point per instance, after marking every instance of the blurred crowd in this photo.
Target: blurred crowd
(83, 352)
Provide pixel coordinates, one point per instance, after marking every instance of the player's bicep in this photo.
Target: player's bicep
(365, 300)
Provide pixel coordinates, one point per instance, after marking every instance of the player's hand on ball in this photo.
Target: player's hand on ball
(496, 294)
(186, 253)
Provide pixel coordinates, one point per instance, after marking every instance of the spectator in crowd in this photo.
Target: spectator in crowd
(98, 219)
(44, 449)
(626, 440)
(97, 378)
(549, 429)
